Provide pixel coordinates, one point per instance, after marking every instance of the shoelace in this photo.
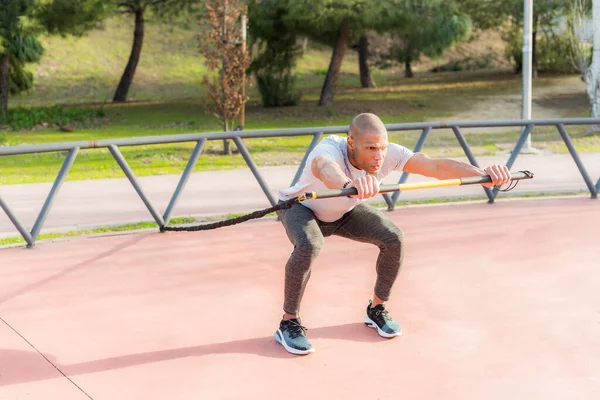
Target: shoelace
(382, 315)
(296, 329)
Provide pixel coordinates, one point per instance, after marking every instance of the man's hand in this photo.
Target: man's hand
(366, 186)
(500, 175)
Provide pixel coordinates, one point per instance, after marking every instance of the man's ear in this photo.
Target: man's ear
(351, 142)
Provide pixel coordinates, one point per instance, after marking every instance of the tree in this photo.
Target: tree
(592, 76)
(366, 80)
(337, 23)
(546, 14)
(585, 48)
(277, 52)
(581, 43)
(139, 9)
(429, 28)
(21, 23)
(224, 51)
(488, 14)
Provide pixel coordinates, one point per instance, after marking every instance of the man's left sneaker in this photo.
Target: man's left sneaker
(377, 317)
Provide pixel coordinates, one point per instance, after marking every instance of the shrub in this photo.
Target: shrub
(22, 118)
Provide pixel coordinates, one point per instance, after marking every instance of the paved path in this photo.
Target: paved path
(496, 302)
(97, 202)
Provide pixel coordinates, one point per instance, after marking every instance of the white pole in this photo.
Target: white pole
(527, 64)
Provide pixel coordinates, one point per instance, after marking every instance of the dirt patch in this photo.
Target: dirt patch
(340, 108)
(564, 98)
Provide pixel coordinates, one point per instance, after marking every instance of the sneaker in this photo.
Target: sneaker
(292, 336)
(377, 317)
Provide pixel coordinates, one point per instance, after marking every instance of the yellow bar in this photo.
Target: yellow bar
(432, 184)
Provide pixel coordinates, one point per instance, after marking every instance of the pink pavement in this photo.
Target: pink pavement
(496, 301)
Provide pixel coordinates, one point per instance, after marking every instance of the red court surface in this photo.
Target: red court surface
(496, 302)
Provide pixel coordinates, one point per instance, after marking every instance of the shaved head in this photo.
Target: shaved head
(366, 123)
(367, 142)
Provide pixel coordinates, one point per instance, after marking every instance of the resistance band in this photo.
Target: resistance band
(324, 194)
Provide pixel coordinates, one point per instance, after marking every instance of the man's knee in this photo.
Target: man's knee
(393, 237)
(310, 246)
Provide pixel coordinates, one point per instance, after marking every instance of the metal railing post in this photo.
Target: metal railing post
(184, 178)
(62, 174)
(312, 145)
(389, 201)
(418, 147)
(515, 153)
(471, 157)
(582, 170)
(242, 148)
(238, 137)
(17, 223)
(114, 150)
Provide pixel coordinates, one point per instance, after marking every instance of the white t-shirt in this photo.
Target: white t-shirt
(335, 148)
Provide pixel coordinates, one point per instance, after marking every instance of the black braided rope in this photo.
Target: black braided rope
(233, 221)
(513, 184)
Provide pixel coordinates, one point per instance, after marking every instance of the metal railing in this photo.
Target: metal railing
(238, 136)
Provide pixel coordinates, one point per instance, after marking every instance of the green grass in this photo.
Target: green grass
(88, 69)
(17, 240)
(167, 98)
(172, 158)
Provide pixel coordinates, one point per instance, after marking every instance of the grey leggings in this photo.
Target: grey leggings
(364, 224)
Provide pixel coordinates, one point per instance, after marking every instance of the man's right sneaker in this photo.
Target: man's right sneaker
(292, 336)
(377, 317)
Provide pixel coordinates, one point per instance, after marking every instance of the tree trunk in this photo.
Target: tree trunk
(134, 58)
(4, 70)
(339, 50)
(366, 80)
(408, 69)
(226, 144)
(592, 75)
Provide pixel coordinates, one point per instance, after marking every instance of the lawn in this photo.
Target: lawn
(167, 98)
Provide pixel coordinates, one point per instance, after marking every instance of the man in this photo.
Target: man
(362, 160)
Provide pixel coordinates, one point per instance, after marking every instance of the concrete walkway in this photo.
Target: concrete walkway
(101, 202)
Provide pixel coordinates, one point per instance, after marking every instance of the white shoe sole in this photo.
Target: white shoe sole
(369, 322)
(279, 338)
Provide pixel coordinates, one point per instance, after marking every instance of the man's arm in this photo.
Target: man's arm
(330, 173)
(444, 168)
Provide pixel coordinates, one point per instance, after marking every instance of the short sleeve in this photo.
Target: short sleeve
(326, 148)
(399, 155)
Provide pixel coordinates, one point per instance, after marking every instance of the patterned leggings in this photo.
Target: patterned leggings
(363, 223)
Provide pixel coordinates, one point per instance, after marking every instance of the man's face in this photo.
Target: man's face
(370, 149)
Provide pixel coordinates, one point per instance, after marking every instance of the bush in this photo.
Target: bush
(278, 52)
(555, 55)
(277, 91)
(467, 64)
(29, 118)
(553, 52)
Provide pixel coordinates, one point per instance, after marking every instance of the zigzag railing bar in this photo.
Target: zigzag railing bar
(114, 150)
(184, 179)
(244, 151)
(578, 162)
